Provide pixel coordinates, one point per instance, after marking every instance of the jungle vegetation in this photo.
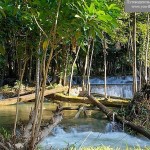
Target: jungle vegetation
(40, 39)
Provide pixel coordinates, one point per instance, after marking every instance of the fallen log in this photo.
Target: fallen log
(85, 100)
(78, 107)
(109, 113)
(56, 119)
(29, 97)
(24, 141)
(110, 97)
(3, 146)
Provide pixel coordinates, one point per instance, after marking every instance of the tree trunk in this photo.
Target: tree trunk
(89, 69)
(84, 74)
(44, 131)
(37, 88)
(65, 71)
(147, 49)
(109, 114)
(30, 97)
(140, 74)
(111, 102)
(72, 69)
(39, 109)
(20, 83)
(134, 54)
(86, 66)
(105, 68)
(30, 70)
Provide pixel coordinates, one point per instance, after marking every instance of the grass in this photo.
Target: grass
(6, 134)
(73, 147)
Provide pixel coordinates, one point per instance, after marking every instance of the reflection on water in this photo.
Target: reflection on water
(7, 113)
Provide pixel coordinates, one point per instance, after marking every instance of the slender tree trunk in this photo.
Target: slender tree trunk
(86, 66)
(61, 78)
(105, 67)
(20, 82)
(84, 73)
(105, 74)
(140, 72)
(147, 49)
(37, 88)
(134, 55)
(30, 70)
(89, 70)
(65, 72)
(130, 45)
(72, 69)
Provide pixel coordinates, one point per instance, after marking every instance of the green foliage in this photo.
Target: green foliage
(55, 85)
(2, 12)
(98, 16)
(2, 62)
(17, 84)
(2, 50)
(78, 21)
(6, 88)
(5, 133)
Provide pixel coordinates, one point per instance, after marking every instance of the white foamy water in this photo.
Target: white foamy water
(120, 86)
(113, 80)
(61, 139)
(116, 86)
(114, 90)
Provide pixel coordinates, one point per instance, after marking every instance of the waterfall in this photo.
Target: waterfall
(120, 86)
(114, 126)
(114, 116)
(116, 86)
(120, 90)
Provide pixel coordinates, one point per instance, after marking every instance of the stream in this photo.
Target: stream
(81, 132)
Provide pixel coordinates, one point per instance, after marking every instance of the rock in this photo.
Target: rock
(18, 146)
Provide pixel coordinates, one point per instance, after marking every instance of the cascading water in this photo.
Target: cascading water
(114, 126)
(61, 139)
(120, 86)
(116, 86)
(120, 90)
